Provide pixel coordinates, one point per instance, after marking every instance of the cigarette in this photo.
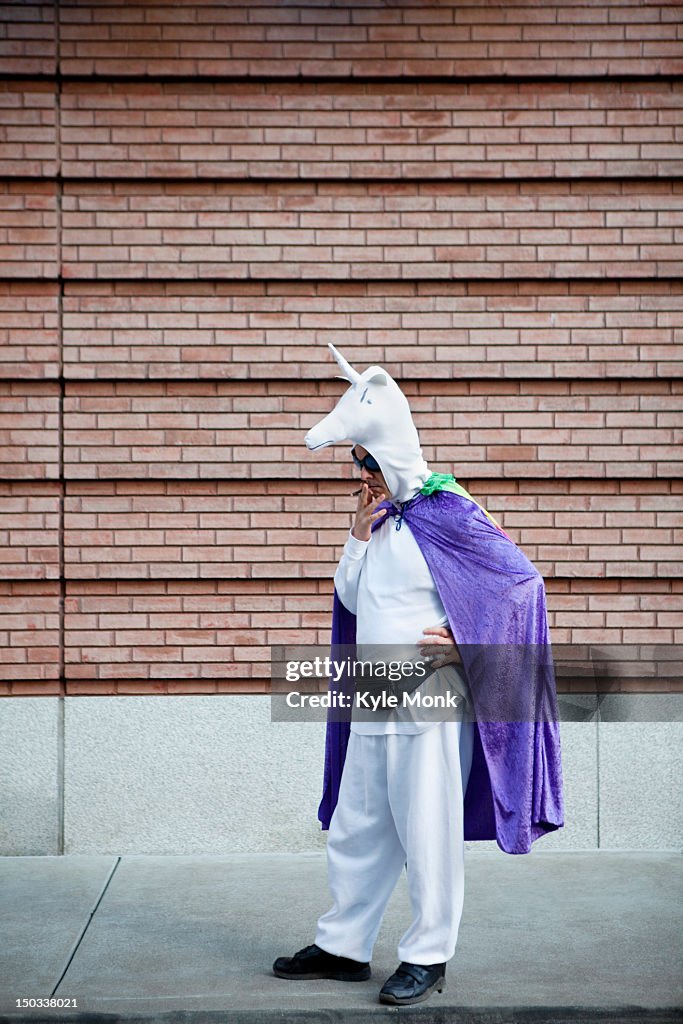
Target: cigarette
(354, 493)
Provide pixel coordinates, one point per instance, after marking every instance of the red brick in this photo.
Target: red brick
(215, 156)
(536, 342)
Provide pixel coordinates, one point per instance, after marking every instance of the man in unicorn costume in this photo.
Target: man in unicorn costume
(425, 563)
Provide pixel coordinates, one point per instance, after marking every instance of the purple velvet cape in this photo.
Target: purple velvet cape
(492, 595)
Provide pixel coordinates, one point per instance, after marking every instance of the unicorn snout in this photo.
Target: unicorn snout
(318, 437)
(312, 442)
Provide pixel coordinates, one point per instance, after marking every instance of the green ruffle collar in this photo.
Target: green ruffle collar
(441, 482)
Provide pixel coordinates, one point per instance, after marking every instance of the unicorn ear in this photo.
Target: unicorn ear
(348, 371)
(378, 378)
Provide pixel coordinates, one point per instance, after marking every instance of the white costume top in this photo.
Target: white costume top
(387, 584)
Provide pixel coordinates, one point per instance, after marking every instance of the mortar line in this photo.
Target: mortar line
(597, 774)
(468, 80)
(60, 432)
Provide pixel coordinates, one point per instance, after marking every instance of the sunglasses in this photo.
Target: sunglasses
(367, 462)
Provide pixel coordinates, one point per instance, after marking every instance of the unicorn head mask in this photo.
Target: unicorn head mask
(375, 413)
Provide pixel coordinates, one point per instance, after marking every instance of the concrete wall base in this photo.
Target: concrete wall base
(207, 774)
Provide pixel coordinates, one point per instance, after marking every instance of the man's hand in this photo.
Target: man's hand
(365, 513)
(440, 643)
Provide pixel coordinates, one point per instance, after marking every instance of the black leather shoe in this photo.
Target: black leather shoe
(313, 963)
(412, 983)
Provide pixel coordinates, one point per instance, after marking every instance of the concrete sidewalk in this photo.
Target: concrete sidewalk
(546, 937)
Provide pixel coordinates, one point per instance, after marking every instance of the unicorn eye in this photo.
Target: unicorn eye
(362, 397)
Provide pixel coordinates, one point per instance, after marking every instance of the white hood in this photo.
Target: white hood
(375, 413)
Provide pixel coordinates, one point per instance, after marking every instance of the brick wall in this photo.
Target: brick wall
(196, 197)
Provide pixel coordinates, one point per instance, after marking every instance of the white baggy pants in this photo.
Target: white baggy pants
(400, 802)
